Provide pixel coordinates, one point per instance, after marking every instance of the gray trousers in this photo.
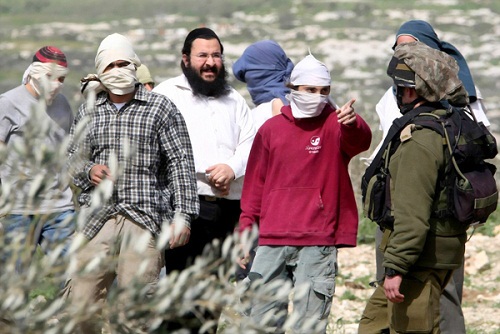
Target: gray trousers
(310, 270)
(452, 318)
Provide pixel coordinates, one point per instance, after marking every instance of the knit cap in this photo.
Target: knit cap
(266, 69)
(143, 74)
(50, 54)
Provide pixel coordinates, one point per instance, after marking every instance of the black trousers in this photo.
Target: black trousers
(218, 219)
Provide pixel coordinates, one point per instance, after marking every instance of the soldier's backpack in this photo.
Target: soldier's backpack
(468, 180)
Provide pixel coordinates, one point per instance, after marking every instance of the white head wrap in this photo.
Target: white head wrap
(310, 71)
(44, 79)
(114, 47)
(26, 74)
(52, 70)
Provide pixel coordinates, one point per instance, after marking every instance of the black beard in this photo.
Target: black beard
(216, 88)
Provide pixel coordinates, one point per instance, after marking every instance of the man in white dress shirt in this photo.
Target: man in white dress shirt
(221, 132)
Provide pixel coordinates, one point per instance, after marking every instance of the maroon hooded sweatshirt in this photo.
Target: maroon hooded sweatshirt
(297, 186)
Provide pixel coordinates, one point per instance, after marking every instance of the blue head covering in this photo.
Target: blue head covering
(266, 69)
(423, 32)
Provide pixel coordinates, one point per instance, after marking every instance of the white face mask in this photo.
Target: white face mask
(44, 79)
(46, 88)
(120, 80)
(306, 105)
(55, 88)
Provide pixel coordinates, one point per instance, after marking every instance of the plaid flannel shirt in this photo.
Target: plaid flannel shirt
(155, 173)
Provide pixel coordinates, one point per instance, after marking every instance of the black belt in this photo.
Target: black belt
(207, 198)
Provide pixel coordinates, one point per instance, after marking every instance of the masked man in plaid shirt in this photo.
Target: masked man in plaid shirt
(132, 159)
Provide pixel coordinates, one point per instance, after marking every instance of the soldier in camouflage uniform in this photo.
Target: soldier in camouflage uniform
(421, 250)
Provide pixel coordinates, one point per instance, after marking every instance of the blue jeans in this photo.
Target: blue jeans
(30, 231)
(309, 270)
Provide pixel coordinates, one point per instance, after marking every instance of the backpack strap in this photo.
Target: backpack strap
(438, 122)
(397, 125)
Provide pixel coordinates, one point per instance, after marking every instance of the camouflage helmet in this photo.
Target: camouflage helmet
(400, 73)
(433, 73)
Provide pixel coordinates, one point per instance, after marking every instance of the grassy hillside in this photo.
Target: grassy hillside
(42, 11)
(158, 27)
(353, 37)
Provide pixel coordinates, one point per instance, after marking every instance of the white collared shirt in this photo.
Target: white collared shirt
(262, 113)
(221, 131)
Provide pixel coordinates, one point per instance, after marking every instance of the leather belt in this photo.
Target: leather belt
(208, 198)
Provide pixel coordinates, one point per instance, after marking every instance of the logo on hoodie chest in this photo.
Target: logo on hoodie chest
(314, 146)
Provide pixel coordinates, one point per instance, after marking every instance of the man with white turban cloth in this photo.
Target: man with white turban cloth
(35, 119)
(134, 166)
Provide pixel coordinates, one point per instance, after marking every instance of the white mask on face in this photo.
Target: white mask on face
(306, 105)
(120, 80)
(44, 79)
(50, 88)
(55, 88)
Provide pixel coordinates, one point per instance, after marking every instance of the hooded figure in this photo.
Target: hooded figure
(118, 80)
(298, 192)
(144, 76)
(266, 69)
(423, 32)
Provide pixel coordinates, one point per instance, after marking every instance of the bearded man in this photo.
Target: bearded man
(221, 132)
(136, 147)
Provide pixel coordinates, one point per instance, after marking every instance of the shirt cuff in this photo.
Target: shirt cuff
(186, 219)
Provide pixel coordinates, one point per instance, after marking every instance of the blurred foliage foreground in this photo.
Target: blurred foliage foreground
(30, 296)
(31, 301)
(31, 284)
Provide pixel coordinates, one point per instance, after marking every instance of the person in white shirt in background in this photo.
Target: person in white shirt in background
(221, 130)
(452, 319)
(265, 68)
(387, 112)
(48, 218)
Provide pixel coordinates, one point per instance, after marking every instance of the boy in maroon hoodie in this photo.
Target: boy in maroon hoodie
(298, 191)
